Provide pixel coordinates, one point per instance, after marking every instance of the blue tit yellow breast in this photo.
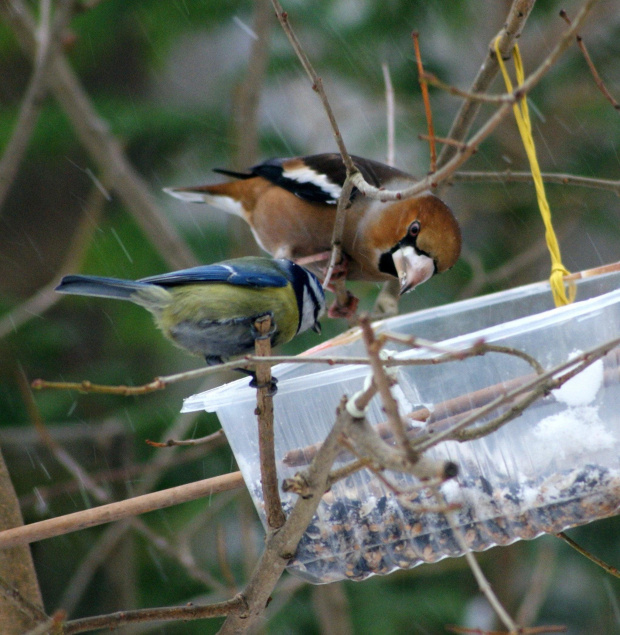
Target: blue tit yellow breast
(215, 320)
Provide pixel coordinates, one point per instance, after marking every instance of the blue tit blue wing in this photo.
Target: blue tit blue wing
(245, 272)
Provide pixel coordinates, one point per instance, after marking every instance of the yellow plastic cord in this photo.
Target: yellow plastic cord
(522, 115)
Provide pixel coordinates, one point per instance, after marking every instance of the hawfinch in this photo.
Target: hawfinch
(290, 205)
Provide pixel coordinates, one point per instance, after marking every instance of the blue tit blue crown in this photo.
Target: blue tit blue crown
(210, 310)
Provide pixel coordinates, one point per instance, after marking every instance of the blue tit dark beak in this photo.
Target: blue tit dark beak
(317, 327)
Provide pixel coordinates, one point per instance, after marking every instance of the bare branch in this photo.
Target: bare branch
(449, 167)
(597, 78)
(590, 556)
(389, 111)
(46, 297)
(117, 511)
(48, 41)
(103, 148)
(281, 545)
(515, 22)
(161, 614)
(427, 103)
(526, 177)
(265, 388)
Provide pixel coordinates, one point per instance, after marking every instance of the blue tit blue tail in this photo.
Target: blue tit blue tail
(99, 286)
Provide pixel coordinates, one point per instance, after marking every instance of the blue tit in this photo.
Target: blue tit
(210, 310)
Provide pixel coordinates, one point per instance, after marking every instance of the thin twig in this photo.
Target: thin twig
(457, 144)
(427, 103)
(484, 98)
(514, 24)
(104, 149)
(211, 439)
(389, 113)
(344, 201)
(483, 583)
(597, 78)
(590, 556)
(48, 41)
(526, 177)
(382, 381)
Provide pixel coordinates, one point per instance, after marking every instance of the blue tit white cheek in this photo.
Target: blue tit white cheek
(313, 305)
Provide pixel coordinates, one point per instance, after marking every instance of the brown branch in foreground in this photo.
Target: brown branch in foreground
(380, 377)
(17, 569)
(117, 511)
(264, 413)
(597, 78)
(161, 614)
(281, 545)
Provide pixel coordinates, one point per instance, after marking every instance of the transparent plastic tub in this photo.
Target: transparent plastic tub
(555, 466)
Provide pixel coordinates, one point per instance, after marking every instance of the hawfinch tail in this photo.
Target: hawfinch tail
(290, 204)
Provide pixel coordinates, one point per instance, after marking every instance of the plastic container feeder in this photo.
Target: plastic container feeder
(555, 466)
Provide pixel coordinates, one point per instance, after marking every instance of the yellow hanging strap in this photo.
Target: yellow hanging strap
(522, 115)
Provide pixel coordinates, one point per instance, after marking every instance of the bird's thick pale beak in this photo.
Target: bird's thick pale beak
(412, 268)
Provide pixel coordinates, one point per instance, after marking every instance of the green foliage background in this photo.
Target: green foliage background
(164, 75)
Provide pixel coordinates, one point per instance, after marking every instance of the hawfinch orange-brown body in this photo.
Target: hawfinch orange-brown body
(290, 205)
